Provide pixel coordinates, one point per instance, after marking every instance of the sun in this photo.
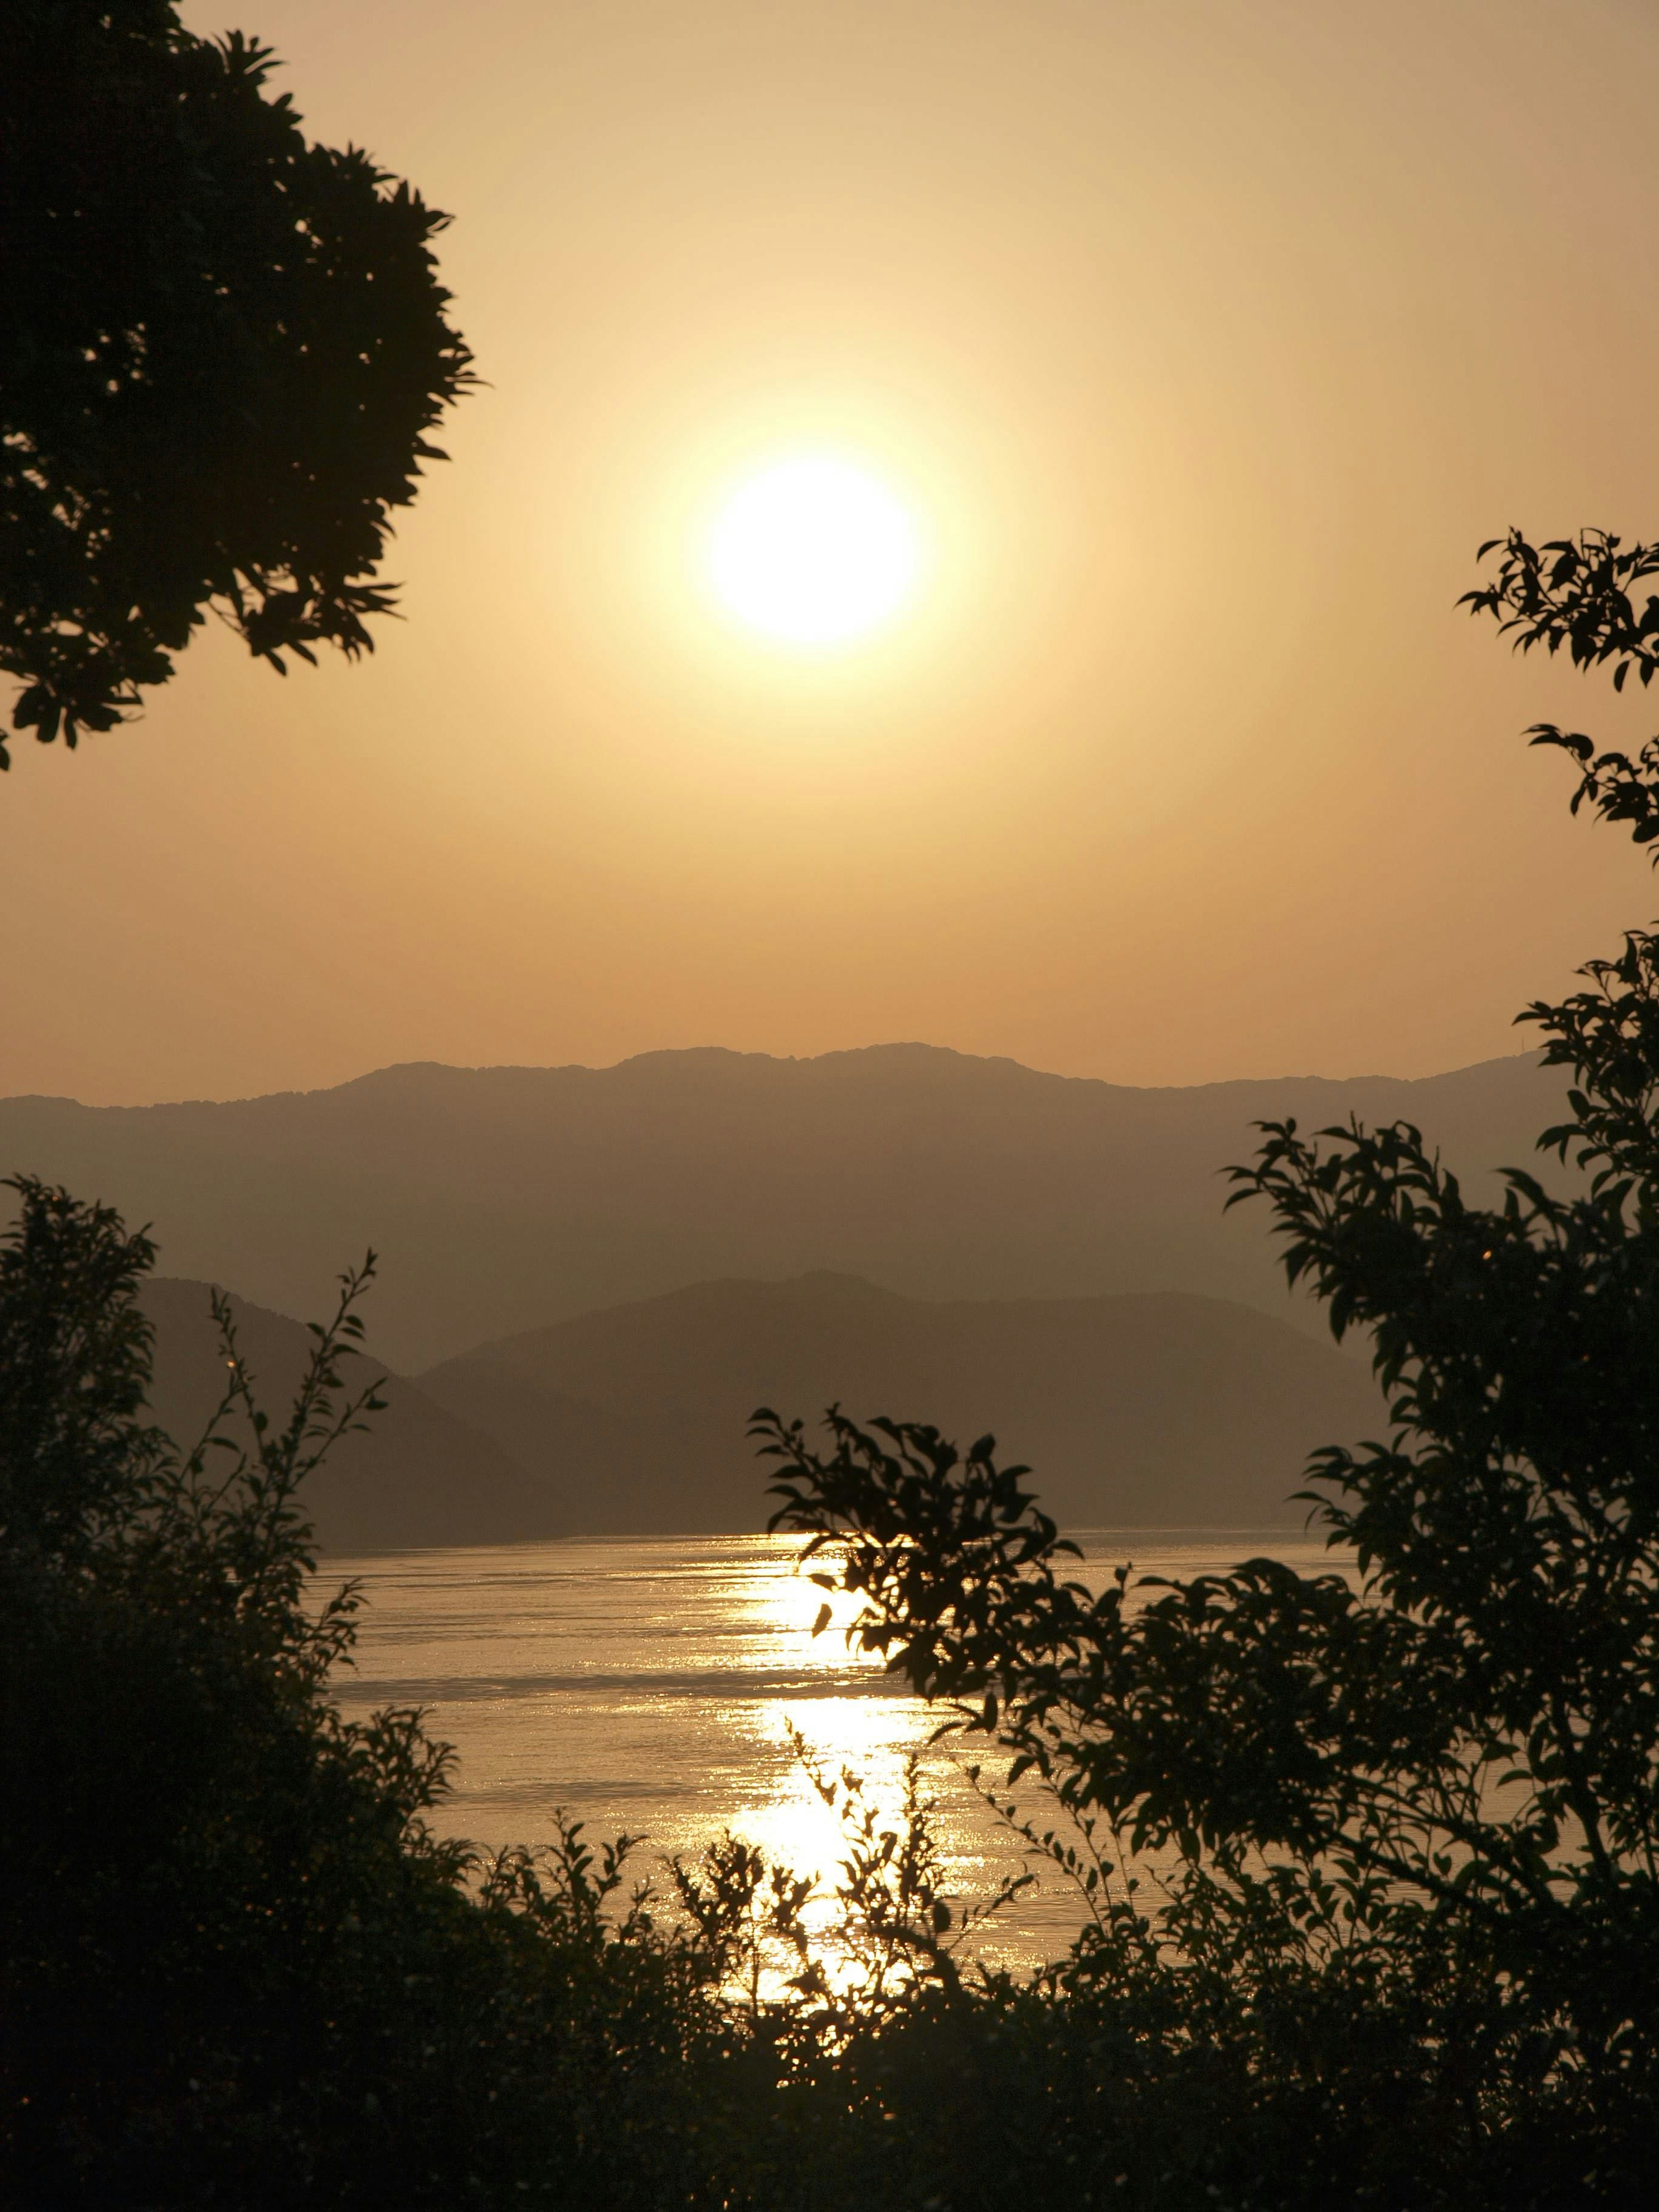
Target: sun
(813, 552)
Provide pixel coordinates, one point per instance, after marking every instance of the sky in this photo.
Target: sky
(1203, 341)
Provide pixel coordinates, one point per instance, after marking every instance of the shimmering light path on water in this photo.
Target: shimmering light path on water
(648, 1684)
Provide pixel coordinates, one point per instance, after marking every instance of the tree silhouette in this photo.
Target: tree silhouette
(1436, 1794)
(222, 348)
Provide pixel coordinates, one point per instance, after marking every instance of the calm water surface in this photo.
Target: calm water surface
(648, 1684)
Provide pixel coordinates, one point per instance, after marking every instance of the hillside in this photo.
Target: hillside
(504, 1199)
(1158, 1409)
(416, 1475)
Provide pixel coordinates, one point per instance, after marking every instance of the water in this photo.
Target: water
(648, 1684)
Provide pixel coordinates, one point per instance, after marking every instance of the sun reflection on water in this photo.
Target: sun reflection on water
(650, 1685)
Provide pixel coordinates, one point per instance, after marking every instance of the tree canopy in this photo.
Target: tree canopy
(1433, 1786)
(221, 350)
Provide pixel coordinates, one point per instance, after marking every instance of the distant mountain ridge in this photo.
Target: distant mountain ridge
(506, 1199)
(1160, 1409)
(1149, 1409)
(412, 1477)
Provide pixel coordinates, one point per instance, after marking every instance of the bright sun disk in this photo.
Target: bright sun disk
(812, 551)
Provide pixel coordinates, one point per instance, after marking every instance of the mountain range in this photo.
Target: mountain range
(1139, 1408)
(1157, 1408)
(412, 1476)
(507, 1198)
(590, 1278)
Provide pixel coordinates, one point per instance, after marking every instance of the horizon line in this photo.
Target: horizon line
(736, 1053)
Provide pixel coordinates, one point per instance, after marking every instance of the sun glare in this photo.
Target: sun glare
(813, 552)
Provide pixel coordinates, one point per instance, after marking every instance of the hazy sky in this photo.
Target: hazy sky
(1205, 339)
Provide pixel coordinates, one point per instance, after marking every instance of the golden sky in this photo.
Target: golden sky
(1205, 340)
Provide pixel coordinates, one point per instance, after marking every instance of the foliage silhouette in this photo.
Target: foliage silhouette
(1426, 1806)
(221, 350)
(236, 1962)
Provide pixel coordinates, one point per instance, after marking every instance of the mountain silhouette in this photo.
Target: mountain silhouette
(413, 1476)
(1153, 1409)
(505, 1198)
(1157, 1408)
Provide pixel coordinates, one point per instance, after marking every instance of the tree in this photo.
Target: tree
(236, 1964)
(221, 350)
(1425, 1811)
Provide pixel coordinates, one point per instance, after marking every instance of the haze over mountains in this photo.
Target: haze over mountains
(502, 1199)
(590, 1278)
(414, 1475)
(1158, 1409)
(1154, 1409)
